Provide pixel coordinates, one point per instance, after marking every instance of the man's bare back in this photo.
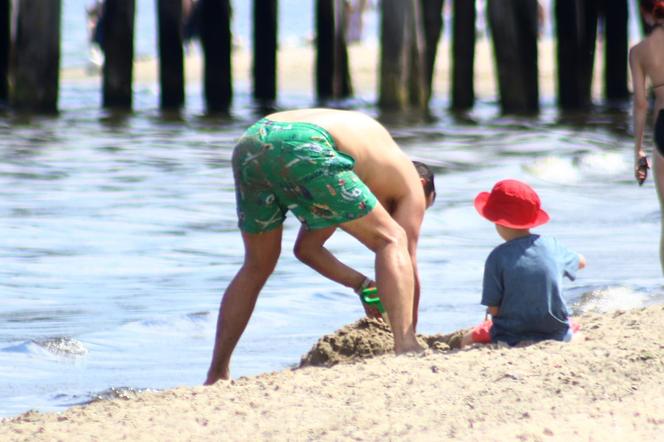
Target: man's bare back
(379, 162)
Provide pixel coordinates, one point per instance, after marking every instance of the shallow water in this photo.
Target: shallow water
(119, 237)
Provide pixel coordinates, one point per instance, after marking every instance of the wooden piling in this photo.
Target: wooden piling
(432, 13)
(332, 69)
(402, 57)
(616, 49)
(463, 55)
(325, 51)
(171, 54)
(419, 89)
(514, 27)
(576, 30)
(36, 56)
(217, 40)
(118, 47)
(265, 50)
(5, 14)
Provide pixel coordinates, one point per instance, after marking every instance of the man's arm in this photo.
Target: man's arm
(409, 213)
(412, 250)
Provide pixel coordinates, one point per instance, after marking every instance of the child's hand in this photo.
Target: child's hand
(582, 262)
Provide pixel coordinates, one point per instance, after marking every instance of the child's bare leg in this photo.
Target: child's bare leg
(467, 339)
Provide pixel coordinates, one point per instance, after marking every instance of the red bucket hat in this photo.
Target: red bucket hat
(513, 204)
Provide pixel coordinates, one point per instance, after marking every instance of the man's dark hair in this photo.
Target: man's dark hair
(425, 172)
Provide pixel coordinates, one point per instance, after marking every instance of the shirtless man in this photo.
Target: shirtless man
(332, 169)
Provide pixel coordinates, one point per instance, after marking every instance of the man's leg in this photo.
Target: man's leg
(394, 271)
(260, 257)
(310, 249)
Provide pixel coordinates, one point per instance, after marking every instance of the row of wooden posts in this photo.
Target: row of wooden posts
(410, 32)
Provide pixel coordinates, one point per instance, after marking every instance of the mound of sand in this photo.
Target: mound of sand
(367, 338)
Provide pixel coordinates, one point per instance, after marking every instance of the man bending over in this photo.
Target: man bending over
(331, 168)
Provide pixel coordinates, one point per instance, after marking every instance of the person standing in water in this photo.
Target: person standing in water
(332, 169)
(646, 62)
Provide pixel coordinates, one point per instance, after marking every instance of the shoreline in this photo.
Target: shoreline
(608, 384)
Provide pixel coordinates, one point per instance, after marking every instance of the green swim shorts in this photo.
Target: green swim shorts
(281, 166)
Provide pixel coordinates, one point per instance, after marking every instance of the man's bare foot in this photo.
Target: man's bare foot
(411, 347)
(213, 377)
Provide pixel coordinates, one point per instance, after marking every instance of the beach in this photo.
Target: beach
(606, 385)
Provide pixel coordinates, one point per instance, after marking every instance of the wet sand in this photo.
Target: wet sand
(606, 385)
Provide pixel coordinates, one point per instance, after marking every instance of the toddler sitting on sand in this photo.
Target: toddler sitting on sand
(522, 286)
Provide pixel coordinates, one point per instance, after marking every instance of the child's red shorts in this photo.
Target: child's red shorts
(482, 333)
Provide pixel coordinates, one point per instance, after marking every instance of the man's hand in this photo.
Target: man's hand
(372, 312)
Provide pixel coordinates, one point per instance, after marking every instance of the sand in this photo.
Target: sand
(364, 339)
(606, 385)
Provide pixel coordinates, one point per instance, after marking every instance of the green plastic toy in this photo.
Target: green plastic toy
(370, 297)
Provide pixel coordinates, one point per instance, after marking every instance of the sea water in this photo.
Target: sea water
(119, 236)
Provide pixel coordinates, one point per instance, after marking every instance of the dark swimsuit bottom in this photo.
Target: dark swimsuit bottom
(659, 132)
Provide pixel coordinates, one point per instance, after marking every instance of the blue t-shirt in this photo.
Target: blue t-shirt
(523, 278)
